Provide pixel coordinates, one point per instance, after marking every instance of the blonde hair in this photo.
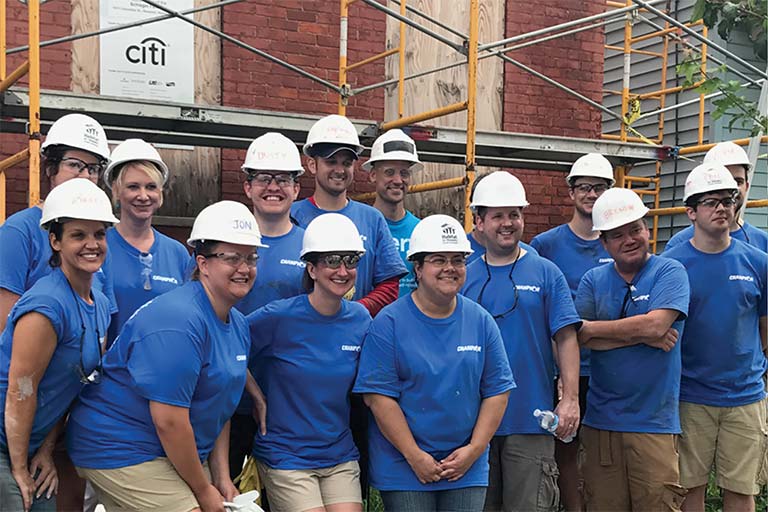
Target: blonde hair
(145, 166)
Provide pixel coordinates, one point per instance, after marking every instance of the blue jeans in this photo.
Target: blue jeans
(10, 496)
(468, 499)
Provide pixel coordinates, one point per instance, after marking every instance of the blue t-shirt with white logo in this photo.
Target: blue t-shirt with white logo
(573, 256)
(305, 363)
(748, 233)
(140, 277)
(401, 235)
(723, 360)
(542, 306)
(174, 350)
(479, 249)
(25, 251)
(634, 388)
(79, 327)
(439, 370)
(381, 260)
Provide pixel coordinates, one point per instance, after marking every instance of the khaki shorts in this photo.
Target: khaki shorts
(735, 439)
(630, 471)
(294, 490)
(153, 485)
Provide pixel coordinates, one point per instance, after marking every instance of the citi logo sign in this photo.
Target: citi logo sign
(150, 51)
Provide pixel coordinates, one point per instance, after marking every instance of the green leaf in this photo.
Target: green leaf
(698, 10)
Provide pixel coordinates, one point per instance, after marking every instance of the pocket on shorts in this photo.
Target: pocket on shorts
(549, 494)
(762, 473)
(674, 495)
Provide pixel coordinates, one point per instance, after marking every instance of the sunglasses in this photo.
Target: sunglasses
(586, 188)
(713, 202)
(334, 261)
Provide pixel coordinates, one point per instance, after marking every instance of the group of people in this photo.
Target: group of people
(337, 344)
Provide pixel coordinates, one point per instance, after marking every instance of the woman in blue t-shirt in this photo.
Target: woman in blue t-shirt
(149, 262)
(435, 375)
(146, 435)
(51, 345)
(305, 352)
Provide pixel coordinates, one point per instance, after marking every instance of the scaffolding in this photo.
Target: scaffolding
(24, 110)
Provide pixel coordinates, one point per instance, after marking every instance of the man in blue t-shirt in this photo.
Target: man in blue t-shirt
(575, 247)
(633, 312)
(272, 167)
(735, 159)
(722, 395)
(393, 160)
(529, 299)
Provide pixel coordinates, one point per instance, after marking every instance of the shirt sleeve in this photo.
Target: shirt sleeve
(670, 289)
(261, 324)
(377, 371)
(561, 310)
(585, 298)
(536, 244)
(104, 282)
(15, 258)
(497, 376)
(46, 305)
(165, 366)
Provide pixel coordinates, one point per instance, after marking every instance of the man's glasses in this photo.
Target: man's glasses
(146, 271)
(713, 202)
(334, 261)
(405, 174)
(442, 261)
(235, 259)
(516, 299)
(263, 179)
(76, 166)
(586, 188)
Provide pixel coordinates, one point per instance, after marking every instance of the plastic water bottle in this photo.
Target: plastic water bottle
(548, 420)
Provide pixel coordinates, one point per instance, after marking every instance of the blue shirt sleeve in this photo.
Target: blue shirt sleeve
(585, 298)
(671, 289)
(536, 244)
(561, 310)
(15, 259)
(46, 305)
(497, 376)
(103, 281)
(260, 327)
(377, 372)
(165, 367)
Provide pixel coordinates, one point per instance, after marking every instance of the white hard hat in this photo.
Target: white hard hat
(331, 232)
(592, 165)
(394, 145)
(132, 150)
(615, 208)
(708, 177)
(727, 153)
(499, 188)
(330, 135)
(273, 152)
(226, 221)
(438, 233)
(78, 198)
(78, 131)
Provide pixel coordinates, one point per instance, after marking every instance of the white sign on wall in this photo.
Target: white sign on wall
(155, 61)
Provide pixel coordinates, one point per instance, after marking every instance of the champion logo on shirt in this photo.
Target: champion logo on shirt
(241, 357)
(294, 263)
(641, 297)
(528, 288)
(605, 260)
(737, 277)
(469, 348)
(165, 279)
(350, 348)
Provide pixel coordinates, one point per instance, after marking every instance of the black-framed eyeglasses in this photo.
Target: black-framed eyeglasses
(95, 376)
(334, 261)
(263, 179)
(442, 261)
(586, 188)
(77, 166)
(235, 259)
(713, 202)
(497, 316)
(145, 258)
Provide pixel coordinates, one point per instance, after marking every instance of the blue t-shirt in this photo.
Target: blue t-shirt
(439, 371)
(25, 251)
(480, 249)
(381, 260)
(401, 234)
(52, 297)
(544, 306)
(305, 363)
(136, 282)
(634, 388)
(748, 234)
(174, 350)
(573, 256)
(723, 360)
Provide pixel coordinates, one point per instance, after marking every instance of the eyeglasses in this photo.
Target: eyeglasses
(334, 261)
(713, 202)
(235, 259)
(442, 261)
(146, 272)
(389, 172)
(77, 166)
(95, 376)
(586, 188)
(516, 299)
(263, 179)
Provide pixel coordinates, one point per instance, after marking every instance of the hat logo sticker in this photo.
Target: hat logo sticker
(91, 135)
(449, 234)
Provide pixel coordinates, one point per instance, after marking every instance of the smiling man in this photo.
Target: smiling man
(393, 160)
(722, 396)
(633, 312)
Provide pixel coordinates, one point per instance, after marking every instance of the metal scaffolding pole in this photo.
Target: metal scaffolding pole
(245, 46)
